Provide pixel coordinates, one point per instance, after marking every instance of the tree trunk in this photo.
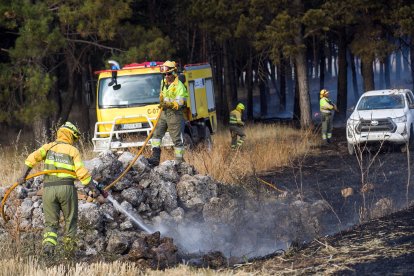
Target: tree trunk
(263, 97)
(302, 78)
(342, 74)
(354, 76)
(367, 73)
(387, 75)
(227, 79)
(398, 65)
(381, 75)
(296, 103)
(84, 107)
(40, 131)
(69, 97)
(322, 65)
(281, 73)
(249, 87)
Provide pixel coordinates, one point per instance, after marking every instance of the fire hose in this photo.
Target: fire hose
(106, 189)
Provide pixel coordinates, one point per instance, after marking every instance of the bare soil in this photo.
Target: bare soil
(360, 242)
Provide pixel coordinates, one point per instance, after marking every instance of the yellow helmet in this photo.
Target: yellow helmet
(168, 66)
(323, 93)
(73, 129)
(240, 106)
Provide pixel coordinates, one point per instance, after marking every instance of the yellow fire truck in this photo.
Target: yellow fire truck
(127, 105)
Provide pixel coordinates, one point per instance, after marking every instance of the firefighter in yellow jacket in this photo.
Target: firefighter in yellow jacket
(236, 126)
(60, 193)
(326, 108)
(173, 98)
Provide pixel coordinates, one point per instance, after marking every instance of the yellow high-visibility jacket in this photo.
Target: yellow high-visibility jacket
(60, 155)
(236, 117)
(175, 93)
(325, 105)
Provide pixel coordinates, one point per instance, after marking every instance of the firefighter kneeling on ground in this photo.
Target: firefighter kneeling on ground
(59, 192)
(173, 98)
(326, 107)
(236, 127)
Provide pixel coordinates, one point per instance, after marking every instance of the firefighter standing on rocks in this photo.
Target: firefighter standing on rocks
(326, 108)
(173, 99)
(60, 193)
(236, 127)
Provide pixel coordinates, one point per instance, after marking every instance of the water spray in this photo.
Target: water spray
(134, 217)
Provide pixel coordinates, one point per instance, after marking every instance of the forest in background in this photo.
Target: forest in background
(49, 51)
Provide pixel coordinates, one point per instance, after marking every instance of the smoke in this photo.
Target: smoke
(257, 228)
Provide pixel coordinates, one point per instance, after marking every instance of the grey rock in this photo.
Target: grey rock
(193, 193)
(118, 243)
(26, 208)
(133, 195)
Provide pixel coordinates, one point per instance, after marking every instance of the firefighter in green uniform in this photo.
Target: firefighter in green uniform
(59, 190)
(236, 126)
(326, 107)
(173, 99)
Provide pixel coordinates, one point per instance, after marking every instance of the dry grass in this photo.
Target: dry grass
(32, 267)
(267, 147)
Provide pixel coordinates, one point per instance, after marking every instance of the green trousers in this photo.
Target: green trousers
(58, 198)
(326, 126)
(173, 121)
(235, 132)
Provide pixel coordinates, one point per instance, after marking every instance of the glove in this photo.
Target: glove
(25, 172)
(166, 105)
(174, 105)
(241, 123)
(161, 98)
(92, 189)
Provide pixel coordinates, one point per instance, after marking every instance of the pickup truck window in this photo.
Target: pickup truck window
(135, 90)
(381, 102)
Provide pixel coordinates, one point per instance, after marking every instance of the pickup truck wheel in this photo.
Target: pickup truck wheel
(351, 149)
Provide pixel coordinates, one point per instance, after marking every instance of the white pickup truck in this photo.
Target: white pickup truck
(382, 116)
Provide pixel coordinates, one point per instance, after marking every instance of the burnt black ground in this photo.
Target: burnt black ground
(326, 170)
(357, 245)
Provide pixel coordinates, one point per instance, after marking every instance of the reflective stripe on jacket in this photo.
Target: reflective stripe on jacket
(175, 92)
(60, 155)
(236, 117)
(325, 105)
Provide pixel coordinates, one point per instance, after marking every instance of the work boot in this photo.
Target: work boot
(154, 160)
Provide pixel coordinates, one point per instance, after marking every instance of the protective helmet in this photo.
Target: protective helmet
(323, 93)
(168, 66)
(240, 106)
(73, 129)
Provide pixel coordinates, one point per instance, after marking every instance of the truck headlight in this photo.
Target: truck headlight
(401, 119)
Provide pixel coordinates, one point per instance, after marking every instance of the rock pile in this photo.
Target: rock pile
(188, 213)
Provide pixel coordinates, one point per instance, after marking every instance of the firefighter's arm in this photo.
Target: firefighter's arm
(82, 173)
(239, 119)
(38, 155)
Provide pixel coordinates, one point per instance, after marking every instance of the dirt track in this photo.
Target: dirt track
(380, 246)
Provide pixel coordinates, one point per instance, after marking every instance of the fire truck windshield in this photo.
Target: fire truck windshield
(132, 90)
